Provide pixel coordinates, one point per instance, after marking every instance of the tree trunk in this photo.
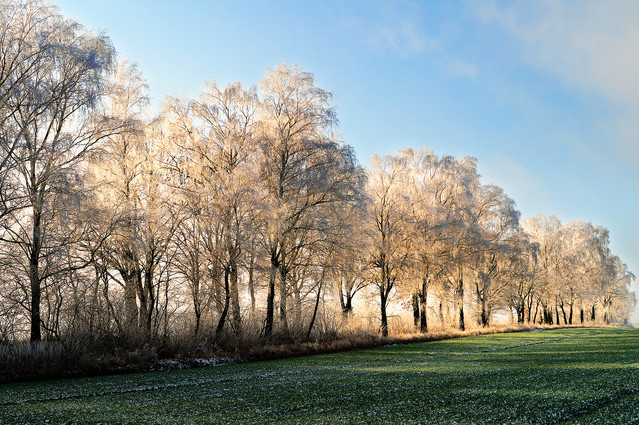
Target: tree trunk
(317, 300)
(197, 306)
(198, 320)
(270, 301)
(148, 280)
(460, 303)
(283, 301)
(563, 312)
(423, 301)
(570, 315)
(130, 300)
(348, 307)
(251, 284)
(384, 325)
(521, 309)
(485, 316)
(346, 302)
(225, 310)
(34, 275)
(416, 309)
(235, 299)
(529, 304)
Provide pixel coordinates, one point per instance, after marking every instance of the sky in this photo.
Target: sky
(545, 94)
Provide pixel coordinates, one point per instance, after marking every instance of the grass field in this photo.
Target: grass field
(554, 376)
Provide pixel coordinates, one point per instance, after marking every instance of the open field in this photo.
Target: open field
(554, 376)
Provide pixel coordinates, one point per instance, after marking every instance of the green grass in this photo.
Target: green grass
(555, 376)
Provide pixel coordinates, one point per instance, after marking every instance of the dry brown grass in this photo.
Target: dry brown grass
(77, 357)
(360, 340)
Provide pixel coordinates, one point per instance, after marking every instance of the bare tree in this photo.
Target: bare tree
(390, 248)
(50, 131)
(303, 169)
(496, 219)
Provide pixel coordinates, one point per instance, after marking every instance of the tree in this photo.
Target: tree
(349, 256)
(304, 170)
(456, 197)
(424, 184)
(545, 231)
(389, 249)
(226, 148)
(520, 273)
(615, 284)
(118, 169)
(496, 219)
(60, 77)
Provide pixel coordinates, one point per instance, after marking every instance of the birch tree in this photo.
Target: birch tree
(303, 169)
(226, 151)
(60, 78)
(389, 249)
(457, 199)
(497, 219)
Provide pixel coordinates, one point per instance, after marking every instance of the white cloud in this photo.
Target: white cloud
(403, 37)
(397, 27)
(390, 26)
(591, 46)
(458, 67)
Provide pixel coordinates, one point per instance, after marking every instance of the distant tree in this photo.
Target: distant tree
(519, 273)
(545, 231)
(497, 220)
(461, 232)
(390, 248)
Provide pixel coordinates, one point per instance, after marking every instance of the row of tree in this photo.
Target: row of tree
(439, 231)
(242, 208)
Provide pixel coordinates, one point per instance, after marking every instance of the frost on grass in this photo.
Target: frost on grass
(558, 376)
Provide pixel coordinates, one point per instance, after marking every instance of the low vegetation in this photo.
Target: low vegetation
(579, 375)
(79, 357)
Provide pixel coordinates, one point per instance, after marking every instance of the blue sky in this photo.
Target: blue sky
(544, 94)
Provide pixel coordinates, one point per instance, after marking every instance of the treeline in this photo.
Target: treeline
(242, 212)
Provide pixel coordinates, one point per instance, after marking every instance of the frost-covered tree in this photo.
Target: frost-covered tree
(519, 273)
(303, 169)
(497, 220)
(545, 231)
(461, 233)
(424, 185)
(222, 166)
(389, 221)
(59, 75)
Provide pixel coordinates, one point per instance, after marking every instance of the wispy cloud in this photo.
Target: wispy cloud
(394, 27)
(457, 67)
(400, 28)
(590, 46)
(402, 36)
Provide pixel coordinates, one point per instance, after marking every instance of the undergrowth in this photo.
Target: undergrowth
(84, 355)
